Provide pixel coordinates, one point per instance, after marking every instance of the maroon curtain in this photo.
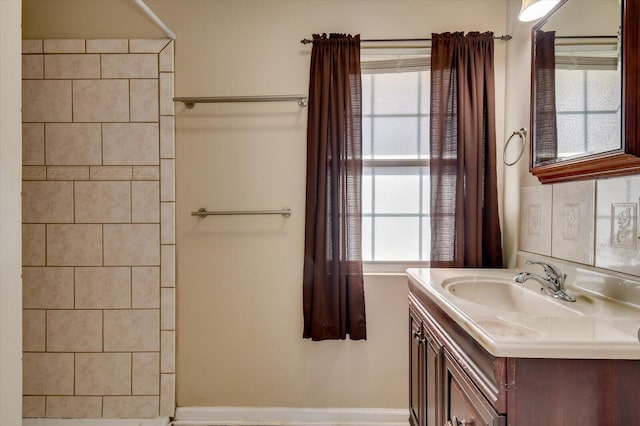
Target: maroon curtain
(465, 228)
(333, 290)
(545, 130)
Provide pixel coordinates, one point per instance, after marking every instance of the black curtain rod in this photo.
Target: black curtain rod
(590, 36)
(505, 37)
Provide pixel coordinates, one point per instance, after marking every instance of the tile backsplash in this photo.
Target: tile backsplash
(98, 228)
(592, 222)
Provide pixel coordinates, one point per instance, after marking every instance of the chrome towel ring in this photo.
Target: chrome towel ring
(523, 134)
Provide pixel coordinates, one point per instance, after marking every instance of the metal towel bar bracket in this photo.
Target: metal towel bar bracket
(285, 212)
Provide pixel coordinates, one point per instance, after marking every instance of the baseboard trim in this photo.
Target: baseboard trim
(211, 416)
(160, 421)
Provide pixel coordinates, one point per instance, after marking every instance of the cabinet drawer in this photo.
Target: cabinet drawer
(463, 402)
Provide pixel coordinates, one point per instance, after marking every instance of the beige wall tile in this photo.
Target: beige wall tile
(47, 288)
(46, 100)
(73, 144)
(103, 202)
(33, 143)
(103, 374)
(33, 245)
(74, 331)
(167, 137)
(102, 288)
(64, 46)
(166, 93)
(167, 308)
(167, 266)
(110, 173)
(573, 235)
(146, 374)
(535, 219)
(33, 330)
(74, 245)
(33, 406)
(100, 100)
(145, 200)
(166, 58)
(145, 287)
(167, 223)
(116, 45)
(167, 395)
(74, 407)
(68, 173)
(151, 45)
(34, 172)
(130, 66)
(47, 374)
(146, 172)
(144, 100)
(32, 67)
(167, 351)
(71, 66)
(31, 46)
(167, 180)
(131, 330)
(115, 407)
(47, 202)
(137, 245)
(130, 143)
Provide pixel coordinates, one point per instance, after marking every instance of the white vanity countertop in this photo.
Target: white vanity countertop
(528, 324)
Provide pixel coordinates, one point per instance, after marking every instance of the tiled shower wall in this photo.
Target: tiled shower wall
(98, 228)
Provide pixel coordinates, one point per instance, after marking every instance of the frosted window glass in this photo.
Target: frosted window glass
(600, 95)
(395, 137)
(603, 132)
(425, 91)
(395, 93)
(367, 190)
(366, 93)
(424, 137)
(571, 137)
(426, 191)
(397, 190)
(366, 239)
(366, 138)
(397, 238)
(426, 239)
(569, 90)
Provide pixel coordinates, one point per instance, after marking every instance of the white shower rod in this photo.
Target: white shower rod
(155, 19)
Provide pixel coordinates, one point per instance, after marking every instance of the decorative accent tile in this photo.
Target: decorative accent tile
(74, 407)
(144, 100)
(31, 46)
(67, 173)
(71, 66)
(166, 94)
(47, 288)
(167, 395)
(617, 234)
(115, 407)
(103, 202)
(131, 330)
(33, 330)
(107, 46)
(146, 374)
(73, 144)
(46, 101)
(74, 331)
(145, 287)
(137, 245)
(167, 267)
(32, 67)
(100, 100)
(33, 406)
(74, 245)
(34, 173)
(166, 58)
(110, 173)
(130, 143)
(152, 45)
(47, 202)
(102, 374)
(64, 46)
(33, 245)
(167, 351)
(535, 219)
(32, 143)
(129, 66)
(167, 308)
(145, 199)
(167, 137)
(573, 217)
(102, 287)
(146, 172)
(47, 374)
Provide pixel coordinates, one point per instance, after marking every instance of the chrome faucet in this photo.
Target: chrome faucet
(554, 281)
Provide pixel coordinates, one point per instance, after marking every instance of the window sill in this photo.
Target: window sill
(390, 268)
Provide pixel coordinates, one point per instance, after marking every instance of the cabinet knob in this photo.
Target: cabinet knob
(455, 422)
(417, 334)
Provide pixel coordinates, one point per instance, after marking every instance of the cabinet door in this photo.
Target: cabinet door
(463, 402)
(432, 381)
(416, 371)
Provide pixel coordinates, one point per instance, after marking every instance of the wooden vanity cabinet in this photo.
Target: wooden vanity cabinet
(424, 365)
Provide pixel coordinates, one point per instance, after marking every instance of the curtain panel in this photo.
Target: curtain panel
(465, 227)
(546, 130)
(333, 287)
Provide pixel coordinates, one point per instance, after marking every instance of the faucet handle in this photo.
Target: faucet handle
(551, 271)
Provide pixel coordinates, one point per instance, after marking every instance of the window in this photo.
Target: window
(395, 181)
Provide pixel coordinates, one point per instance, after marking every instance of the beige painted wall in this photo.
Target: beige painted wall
(239, 310)
(10, 215)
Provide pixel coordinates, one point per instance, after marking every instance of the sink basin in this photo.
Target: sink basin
(505, 295)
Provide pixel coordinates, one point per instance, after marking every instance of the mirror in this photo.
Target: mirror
(584, 91)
